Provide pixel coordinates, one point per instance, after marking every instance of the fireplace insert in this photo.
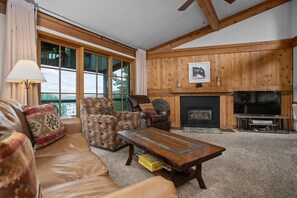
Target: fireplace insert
(200, 111)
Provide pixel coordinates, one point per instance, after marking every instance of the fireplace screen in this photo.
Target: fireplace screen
(197, 114)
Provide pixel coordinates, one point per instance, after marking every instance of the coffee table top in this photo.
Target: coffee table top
(179, 151)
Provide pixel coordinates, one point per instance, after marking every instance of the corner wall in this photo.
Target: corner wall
(2, 39)
(293, 5)
(294, 34)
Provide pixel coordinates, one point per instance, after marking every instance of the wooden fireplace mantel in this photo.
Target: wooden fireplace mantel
(200, 90)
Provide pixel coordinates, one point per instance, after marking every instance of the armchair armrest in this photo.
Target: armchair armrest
(127, 115)
(72, 125)
(165, 112)
(156, 187)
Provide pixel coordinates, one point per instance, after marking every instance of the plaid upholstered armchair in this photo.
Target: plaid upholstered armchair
(101, 123)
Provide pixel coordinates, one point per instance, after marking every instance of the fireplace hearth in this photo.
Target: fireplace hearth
(200, 111)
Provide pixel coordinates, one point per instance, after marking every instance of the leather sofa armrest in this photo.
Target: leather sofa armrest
(156, 187)
(165, 112)
(72, 125)
(145, 115)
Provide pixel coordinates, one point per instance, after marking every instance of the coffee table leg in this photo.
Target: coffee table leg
(199, 177)
(172, 175)
(131, 152)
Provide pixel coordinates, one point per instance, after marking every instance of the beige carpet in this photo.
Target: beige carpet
(253, 165)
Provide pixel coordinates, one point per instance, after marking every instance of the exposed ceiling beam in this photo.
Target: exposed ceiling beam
(230, 1)
(257, 9)
(209, 12)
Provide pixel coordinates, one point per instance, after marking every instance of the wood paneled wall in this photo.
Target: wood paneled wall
(256, 70)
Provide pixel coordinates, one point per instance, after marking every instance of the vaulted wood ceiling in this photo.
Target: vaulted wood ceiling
(215, 24)
(155, 25)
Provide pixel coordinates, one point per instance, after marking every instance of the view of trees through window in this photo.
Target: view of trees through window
(96, 76)
(58, 64)
(120, 83)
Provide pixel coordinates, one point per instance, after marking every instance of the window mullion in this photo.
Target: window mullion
(60, 82)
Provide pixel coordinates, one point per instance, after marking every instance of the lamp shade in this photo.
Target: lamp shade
(26, 70)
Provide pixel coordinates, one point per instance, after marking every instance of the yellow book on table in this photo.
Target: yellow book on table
(150, 162)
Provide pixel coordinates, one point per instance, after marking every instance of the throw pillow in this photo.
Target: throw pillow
(107, 111)
(148, 108)
(45, 124)
(18, 176)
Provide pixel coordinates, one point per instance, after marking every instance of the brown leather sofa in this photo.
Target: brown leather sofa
(68, 168)
(160, 121)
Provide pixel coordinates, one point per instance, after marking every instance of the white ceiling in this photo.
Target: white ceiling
(139, 23)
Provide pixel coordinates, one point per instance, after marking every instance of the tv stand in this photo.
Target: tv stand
(264, 123)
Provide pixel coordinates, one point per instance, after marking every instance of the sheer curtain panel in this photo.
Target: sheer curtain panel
(141, 80)
(20, 44)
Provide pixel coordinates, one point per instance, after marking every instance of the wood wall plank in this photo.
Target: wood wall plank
(3, 6)
(223, 49)
(258, 70)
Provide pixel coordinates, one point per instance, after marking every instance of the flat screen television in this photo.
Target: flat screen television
(257, 102)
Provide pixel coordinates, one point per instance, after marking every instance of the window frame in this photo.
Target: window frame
(80, 49)
(96, 73)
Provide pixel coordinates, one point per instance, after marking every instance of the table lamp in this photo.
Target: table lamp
(26, 71)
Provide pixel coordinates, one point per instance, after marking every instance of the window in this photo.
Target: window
(96, 76)
(58, 65)
(120, 83)
(102, 76)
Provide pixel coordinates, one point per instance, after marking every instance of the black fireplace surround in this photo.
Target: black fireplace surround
(200, 111)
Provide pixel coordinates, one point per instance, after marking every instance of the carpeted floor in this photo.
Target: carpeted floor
(253, 165)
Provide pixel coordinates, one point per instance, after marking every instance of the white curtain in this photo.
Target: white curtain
(141, 80)
(20, 44)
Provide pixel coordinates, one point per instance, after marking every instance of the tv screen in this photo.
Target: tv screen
(257, 102)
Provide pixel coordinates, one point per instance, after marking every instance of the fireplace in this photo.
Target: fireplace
(200, 111)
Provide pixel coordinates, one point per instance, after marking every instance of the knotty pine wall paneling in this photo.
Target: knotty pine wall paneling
(250, 70)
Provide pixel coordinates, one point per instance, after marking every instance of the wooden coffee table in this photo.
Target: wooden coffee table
(179, 152)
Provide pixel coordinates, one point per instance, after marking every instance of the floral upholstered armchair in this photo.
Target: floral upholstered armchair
(101, 123)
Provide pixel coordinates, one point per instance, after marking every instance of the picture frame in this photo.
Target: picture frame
(199, 72)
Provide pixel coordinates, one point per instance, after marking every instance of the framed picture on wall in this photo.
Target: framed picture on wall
(199, 72)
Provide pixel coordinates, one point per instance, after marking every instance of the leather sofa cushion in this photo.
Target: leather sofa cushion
(58, 169)
(72, 125)
(69, 143)
(18, 108)
(159, 118)
(162, 189)
(87, 187)
(9, 120)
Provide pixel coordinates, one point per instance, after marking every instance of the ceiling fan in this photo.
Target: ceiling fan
(189, 2)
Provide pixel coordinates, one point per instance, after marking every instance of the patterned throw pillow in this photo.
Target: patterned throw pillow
(149, 108)
(45, 124)
(18, 176)
(106, 111)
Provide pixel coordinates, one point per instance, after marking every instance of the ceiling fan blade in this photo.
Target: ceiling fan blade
(230, 1)
(185, 5)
